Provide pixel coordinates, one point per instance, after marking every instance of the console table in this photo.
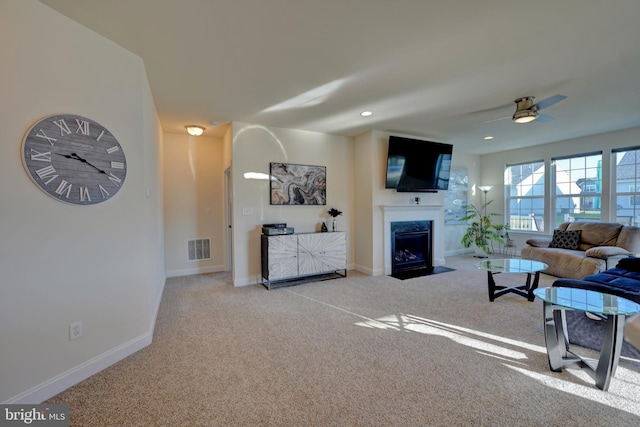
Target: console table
(291, 259)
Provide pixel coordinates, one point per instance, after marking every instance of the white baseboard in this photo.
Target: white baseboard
(368, 271)
(63, 381)
(195, 270)
(458, 252)
(73, 376)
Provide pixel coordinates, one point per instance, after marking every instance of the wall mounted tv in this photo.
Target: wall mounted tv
(414, 165)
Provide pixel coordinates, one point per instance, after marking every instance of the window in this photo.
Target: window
(578, 187)
(524, 191)
(627, 184)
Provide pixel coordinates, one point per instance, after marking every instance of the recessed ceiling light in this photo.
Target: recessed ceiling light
(487, 138)
(366, 113)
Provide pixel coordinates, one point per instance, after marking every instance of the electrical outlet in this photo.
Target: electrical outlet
(75, 330)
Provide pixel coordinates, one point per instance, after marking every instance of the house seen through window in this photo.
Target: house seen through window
(578, 187)
(627, 184)
(524, 191)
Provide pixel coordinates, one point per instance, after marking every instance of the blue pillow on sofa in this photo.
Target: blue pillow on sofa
(630, 264)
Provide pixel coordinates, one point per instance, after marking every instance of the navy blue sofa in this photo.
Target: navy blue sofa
(623, 280)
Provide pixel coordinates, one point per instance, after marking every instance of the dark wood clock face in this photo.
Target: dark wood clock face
(74, 159)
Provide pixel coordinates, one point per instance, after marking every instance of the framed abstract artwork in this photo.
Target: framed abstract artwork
(297, 184)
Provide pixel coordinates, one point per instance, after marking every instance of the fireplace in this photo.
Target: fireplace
(411, 252)
(432, 213)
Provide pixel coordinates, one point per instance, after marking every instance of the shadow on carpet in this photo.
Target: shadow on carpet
(590, 333)
(419, 273)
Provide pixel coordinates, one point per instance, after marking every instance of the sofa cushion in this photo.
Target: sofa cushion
(604, 252)
(564, 262)
(614, 281)
(629, 239)
(540, 242)
(565, 239)
(596, 233)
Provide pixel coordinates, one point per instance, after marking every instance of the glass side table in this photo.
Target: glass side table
(512, 265)
(557, 301)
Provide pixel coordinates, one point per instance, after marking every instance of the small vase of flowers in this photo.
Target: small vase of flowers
(333, 212)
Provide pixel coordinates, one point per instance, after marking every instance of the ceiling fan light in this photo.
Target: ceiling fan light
(525, 116)
(194, 130)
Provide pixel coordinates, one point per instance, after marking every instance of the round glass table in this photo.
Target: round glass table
(557, 301)
(512, 265)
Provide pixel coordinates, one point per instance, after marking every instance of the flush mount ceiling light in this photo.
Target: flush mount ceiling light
(488, 138)
(194, 130)
(366, 113)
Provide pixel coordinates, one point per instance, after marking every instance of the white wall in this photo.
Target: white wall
(365, 165)
(493, 168)
(254, 147)
(193, 177)
(60, 263)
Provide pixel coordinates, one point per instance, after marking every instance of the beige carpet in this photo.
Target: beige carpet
(359, 351)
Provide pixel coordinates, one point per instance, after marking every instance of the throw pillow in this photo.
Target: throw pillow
(565, 239)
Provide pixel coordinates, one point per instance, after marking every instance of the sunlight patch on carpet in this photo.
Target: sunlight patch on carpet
(465, 336)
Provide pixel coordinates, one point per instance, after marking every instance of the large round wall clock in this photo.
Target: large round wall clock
(74, 159)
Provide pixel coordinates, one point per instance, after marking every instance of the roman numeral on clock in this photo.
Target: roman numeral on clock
(83, 127)
(64, 188)
(47, 174)
(114, 179)
(62, 125)
(40, 157)
(103, 192)
(84, 194)
(41, 134)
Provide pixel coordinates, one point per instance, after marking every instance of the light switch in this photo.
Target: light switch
(247, 211)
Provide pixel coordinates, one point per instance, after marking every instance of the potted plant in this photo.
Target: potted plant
(333, 212)
(503, 232)
(480, 231)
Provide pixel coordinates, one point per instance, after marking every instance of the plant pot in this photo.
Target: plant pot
(478, 252)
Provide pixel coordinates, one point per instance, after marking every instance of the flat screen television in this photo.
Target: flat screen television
(414, 165)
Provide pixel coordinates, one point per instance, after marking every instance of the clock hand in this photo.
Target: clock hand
(76, 157)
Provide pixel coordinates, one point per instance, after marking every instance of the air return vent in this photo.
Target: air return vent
(199, 249)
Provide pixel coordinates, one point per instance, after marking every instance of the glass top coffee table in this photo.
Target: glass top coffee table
(557, 301)
(512, 265)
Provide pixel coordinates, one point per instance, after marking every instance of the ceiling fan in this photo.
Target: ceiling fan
(527, 110)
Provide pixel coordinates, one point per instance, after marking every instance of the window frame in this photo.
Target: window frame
(538, 182)
(582, 196)
(633, 194)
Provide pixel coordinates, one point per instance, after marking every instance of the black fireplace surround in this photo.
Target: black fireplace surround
(411, 249)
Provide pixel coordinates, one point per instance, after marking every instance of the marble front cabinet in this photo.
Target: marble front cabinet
(287, 259)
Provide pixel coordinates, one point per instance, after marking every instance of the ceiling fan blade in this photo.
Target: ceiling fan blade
(550, 101)
(495, 120)
(543, 118)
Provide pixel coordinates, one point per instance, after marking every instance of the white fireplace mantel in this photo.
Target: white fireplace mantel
(398, 213)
